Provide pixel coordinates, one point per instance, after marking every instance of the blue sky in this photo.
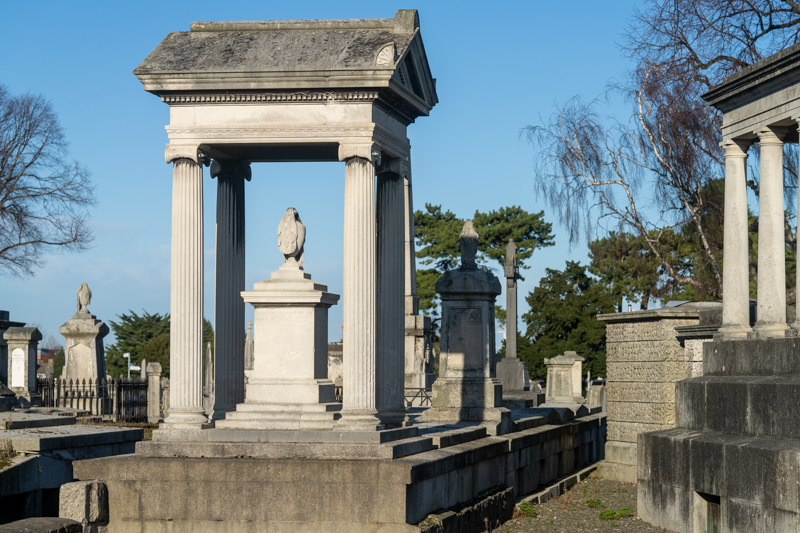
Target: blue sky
(499, 67)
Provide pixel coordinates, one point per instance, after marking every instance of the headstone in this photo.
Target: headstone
(22, 344)
(153, 375)
(84, 357)
(248, 347)
(511, 371)
(419, 352)
(466, 389)
(289, 386)
(564, 379)
(5, 323)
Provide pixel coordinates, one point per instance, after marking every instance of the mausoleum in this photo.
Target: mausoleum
(731, 464)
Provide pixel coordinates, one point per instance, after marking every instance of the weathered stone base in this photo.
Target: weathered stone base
(754, 479)
(282, 416)
(229, 493)
(478, 400)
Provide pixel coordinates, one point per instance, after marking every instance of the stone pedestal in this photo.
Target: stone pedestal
(22, 343)
(564, 379)
(511, 371)
(153, 373)
(5, 323)
(467, 389)
(288, 387)
(84, 357)
(418, 353)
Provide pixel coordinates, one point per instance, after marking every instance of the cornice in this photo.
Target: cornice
(268, 97)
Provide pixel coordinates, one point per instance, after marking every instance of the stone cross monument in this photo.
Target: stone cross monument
(84, 357)
(466, 389)
(511, 371)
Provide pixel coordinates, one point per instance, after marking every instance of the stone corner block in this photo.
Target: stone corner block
(84, 501)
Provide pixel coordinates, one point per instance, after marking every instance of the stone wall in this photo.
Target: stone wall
(645, 357)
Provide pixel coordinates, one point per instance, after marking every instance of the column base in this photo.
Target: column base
(771, 331)
(360, 421)
(733, 332)
(185, 419)
(394, 418)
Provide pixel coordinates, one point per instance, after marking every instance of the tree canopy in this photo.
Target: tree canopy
(436, 233)
(44, 196)
(562, 316)
(651, 175)
(144, 336)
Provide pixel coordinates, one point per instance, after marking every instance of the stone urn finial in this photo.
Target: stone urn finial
(468, 242)
(292, 238)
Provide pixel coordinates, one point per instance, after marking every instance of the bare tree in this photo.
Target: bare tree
(44, 196)
(651, 175)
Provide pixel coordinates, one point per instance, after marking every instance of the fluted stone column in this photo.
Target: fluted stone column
(229, 283)
(359, 409)
(736, 276)
(186, 297)
(409, 257)
(771, 312)
(796, 323)
(390, 296)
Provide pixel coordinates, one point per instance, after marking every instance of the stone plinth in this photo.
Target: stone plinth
(564, 379)
(467, 389)
(289, 386)
(5, 323)
(511, 371)
(418, 353)
(84, 357)
(153, 373)
(645, 358)
(22, 343)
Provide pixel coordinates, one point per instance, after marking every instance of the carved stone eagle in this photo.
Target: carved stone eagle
(292, 237)
(84, 298)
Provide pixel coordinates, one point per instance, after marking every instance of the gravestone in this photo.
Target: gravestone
(84, 357)
(22, 347)
(563, 379)
(289, 386)
(5, 323)
(467, 389)
(511, 371)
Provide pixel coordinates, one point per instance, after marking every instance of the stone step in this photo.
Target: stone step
(745, 405)
(767, 357)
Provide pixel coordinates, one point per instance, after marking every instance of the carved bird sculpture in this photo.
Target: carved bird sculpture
(84, 298)
(292, 237)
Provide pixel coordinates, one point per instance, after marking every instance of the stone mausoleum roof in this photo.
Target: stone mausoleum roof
(382, 54)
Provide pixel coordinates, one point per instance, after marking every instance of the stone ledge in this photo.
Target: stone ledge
(284, 450)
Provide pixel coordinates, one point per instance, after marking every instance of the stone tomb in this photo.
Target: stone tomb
(732, 461)
(22, 347)
(341, 90)
(467, 389)
(289, 386)
(83, 342)
(262, 91)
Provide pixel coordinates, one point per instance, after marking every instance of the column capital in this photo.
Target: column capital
(771, 135)
(196, 153)
(369, 151)
(230, 167)
(736, 147)
(396, 165)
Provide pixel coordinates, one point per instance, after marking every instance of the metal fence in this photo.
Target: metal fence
(123, 400)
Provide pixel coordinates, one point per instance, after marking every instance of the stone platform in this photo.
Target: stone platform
(244, 480)
(47, 441)
(736, 450)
